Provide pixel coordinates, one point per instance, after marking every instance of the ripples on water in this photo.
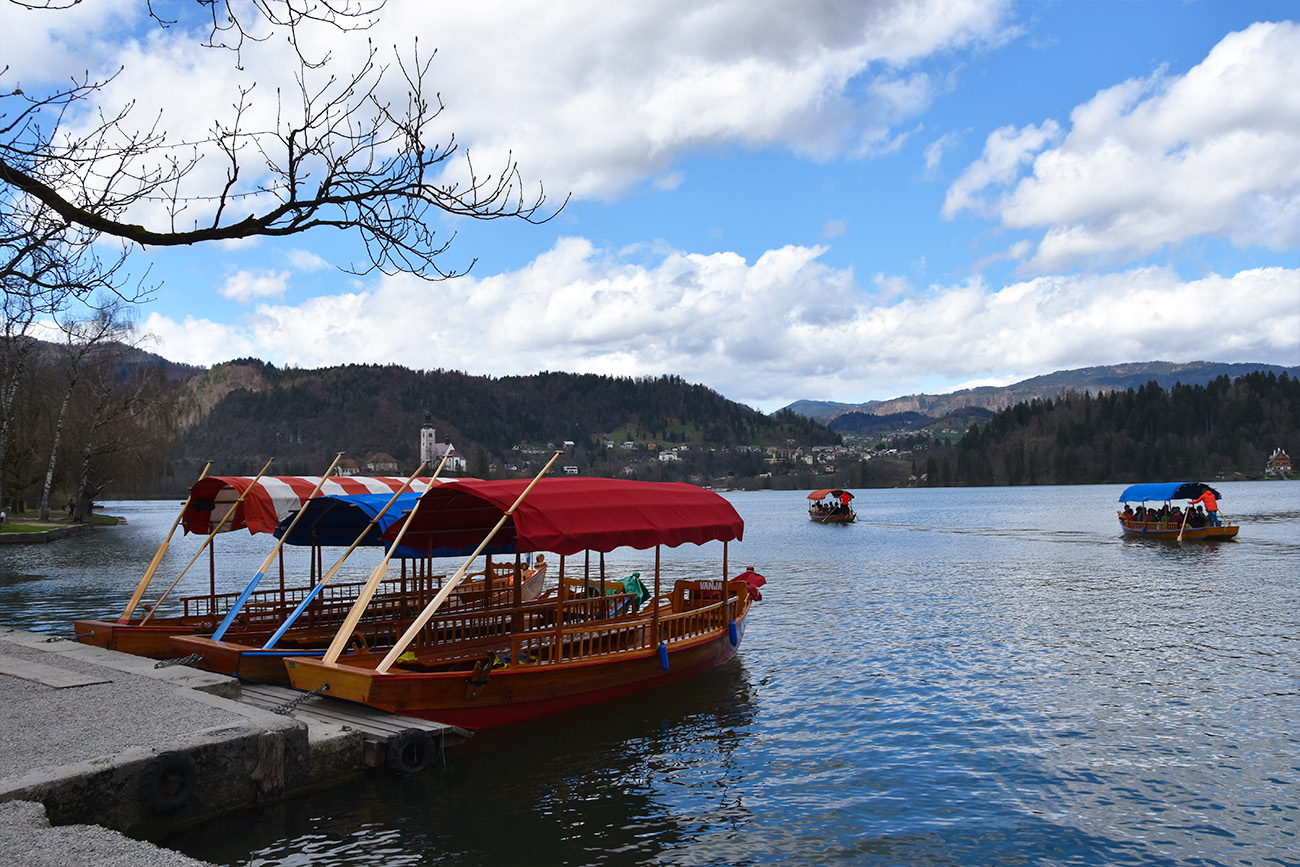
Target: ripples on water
(971, 676)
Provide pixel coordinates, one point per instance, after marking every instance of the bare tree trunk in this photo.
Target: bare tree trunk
(44, 508)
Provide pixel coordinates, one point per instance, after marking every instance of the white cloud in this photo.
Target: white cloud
(305, 260)
(613, 97)
(834, 228)
(245, 286)
(934, 153)
(1145, 164)
(764, 332)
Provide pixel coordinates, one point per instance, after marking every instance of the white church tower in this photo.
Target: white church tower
(428, 441)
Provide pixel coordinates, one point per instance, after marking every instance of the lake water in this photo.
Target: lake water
(967, 676)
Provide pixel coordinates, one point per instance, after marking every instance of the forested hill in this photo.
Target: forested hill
(247, 411)
(1226, 429)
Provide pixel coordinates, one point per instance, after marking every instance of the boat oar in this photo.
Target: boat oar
(320, 585)
(230, 513)
(158, 555)
(1184, 527)
(436, 602)
(344, 634)
(270, 558)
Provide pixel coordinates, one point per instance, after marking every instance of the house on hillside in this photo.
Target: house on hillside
(381, 464)
(1279, 464)
(347, 468)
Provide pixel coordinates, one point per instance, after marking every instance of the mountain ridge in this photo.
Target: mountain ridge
(1098, 379)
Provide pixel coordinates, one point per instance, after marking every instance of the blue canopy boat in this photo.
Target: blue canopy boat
(1168, 522)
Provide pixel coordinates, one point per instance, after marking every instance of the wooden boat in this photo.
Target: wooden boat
(576, 647)
(258, 653)
(223, 504)
(831, 506)
(1161, 523)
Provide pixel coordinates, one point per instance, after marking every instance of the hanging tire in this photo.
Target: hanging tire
(169, 781)
(411, 751)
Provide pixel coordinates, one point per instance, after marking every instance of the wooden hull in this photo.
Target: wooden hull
(266, 610)
(244, 661)
(1169, 533)
(514, 693)
(152, 639)
(834, 519)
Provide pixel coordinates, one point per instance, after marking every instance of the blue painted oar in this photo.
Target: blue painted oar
(320, 585)
(344, 635)
(270, 558)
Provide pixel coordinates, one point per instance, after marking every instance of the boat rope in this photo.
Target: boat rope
(184, 660)
(289, 706)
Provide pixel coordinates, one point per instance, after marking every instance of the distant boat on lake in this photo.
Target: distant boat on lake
(831, 506)
(1168, 522)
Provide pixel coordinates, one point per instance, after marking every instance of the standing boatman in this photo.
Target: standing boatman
(1211, 506)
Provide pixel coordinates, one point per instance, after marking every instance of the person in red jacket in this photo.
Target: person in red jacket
(1211, 506)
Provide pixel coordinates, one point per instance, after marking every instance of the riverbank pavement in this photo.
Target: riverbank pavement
(96, 742)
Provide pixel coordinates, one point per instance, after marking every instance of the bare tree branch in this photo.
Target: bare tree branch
(339, 154)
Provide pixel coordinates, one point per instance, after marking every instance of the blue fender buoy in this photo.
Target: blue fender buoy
(733, 633)
(663, 656)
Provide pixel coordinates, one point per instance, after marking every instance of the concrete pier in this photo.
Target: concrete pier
(103, 738)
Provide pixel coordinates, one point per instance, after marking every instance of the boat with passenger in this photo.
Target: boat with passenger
(1170, 522)
(598, 637)
(831, 506)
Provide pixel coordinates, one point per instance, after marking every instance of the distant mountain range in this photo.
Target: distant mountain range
(1114, 377)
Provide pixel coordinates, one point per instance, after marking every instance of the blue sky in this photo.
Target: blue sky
(783, 201)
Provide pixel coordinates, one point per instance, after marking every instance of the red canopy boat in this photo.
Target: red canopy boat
(831, 506)
(222, 504)
(600, 638)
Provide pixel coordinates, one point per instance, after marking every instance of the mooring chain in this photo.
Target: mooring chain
(184, 660)
(289, 706)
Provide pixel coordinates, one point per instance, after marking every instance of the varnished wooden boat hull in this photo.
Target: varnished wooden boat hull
(833, 519)
(152, 639)
(1163, 532)
(514, 693)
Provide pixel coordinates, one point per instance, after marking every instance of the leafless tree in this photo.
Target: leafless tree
(339, 153)
(91, 345)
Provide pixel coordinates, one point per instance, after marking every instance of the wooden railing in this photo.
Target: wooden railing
(268, 608)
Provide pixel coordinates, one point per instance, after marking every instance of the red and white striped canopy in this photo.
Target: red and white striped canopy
(272, 499)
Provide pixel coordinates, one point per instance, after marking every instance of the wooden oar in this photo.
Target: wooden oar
(270, 558)
(320, 585)
(344, 635)
(158, 555)
(1184, 527)
(208, 541)
(414, 629)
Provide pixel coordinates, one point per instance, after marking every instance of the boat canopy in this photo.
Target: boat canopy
(1164, 491)
(272, 499)
(336, 520)
(568, 515)
(817, 495)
